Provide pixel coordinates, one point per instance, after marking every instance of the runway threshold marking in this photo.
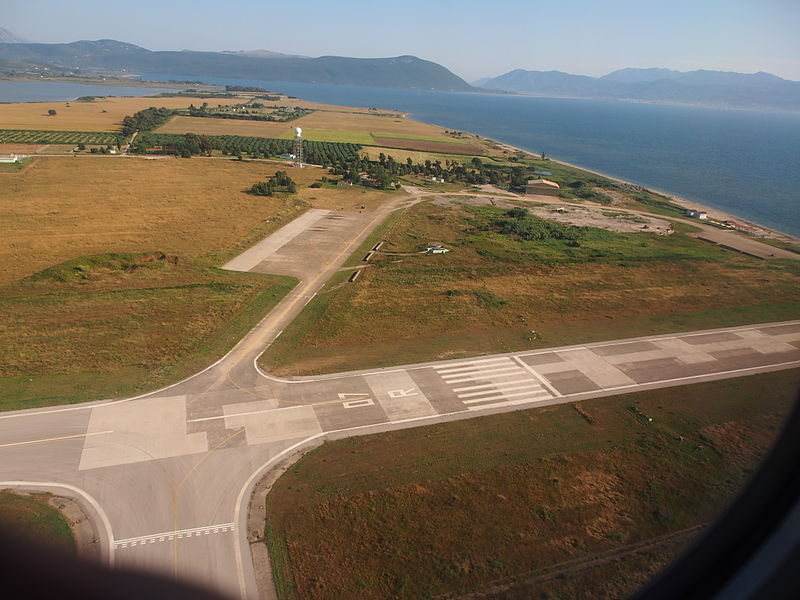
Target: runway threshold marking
(55, 439)
(168, 536)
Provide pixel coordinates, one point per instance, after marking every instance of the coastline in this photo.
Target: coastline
(714, 213)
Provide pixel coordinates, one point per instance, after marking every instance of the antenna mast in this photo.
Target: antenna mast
(298, 147)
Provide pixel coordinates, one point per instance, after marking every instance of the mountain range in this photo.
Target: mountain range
(711, 88)
(120, 57)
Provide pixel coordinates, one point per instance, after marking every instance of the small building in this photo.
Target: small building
(9, 158)
(542, 187)
(696, 214)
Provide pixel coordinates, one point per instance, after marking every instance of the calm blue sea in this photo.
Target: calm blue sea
(53, 91)
(743, 162)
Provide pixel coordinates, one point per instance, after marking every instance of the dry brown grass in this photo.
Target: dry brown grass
(344, 197)
(419, 157)
(104, 114)
(68, 207)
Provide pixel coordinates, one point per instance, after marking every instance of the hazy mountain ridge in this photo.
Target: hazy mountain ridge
(713, 88)
(114, 56)
(9, 37)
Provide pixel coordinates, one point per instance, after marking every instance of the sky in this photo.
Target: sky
(472, 38)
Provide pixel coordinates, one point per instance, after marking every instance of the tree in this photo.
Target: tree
(51, 112)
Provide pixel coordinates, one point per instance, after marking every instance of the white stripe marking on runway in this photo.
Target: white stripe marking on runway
(506, 396)
(530, 385)
(171, 535)
(488, 385)
(477, 375)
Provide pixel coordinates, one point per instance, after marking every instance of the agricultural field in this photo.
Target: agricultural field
(30, 137)
(428, 145)
(88, 306)
(573, 285)
(203, 126)
(102, 114)
(541, 503)
(32, 518)
(334, 126)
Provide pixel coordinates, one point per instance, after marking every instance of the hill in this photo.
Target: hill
(114, 56)
(711, 88)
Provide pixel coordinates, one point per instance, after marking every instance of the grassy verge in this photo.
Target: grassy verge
(569, 285)
(117, 324)
(453, 508)
(32, 518)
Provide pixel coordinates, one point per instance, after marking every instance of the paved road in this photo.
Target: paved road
(168, 474)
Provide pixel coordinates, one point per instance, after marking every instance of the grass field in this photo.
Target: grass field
(64, 208)
(103, 114)
(449, 509)
(117, 324)
(32, 518)
(113, 325)
(493, 289)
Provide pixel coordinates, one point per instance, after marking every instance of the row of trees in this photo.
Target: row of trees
(386, 169)
(145, 120)
(321, 153)
(280, 182)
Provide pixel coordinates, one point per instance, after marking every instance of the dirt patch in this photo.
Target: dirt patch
(20, 148)
(612, 220)
(429, 146)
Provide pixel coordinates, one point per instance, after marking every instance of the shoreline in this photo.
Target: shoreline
(714, 213)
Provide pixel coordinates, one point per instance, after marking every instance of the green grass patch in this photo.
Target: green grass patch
(455, 507)
(33, 136)
(118, 324)
(32, 518)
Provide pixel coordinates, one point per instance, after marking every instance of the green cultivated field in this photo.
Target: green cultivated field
(569, 285)
(31, 136)
(448, 509)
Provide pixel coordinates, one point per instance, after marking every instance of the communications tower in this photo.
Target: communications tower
(298, 147)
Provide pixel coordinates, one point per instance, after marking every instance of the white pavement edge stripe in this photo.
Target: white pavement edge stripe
(55, 439)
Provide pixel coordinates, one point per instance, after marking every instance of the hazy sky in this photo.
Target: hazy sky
(472, 38)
